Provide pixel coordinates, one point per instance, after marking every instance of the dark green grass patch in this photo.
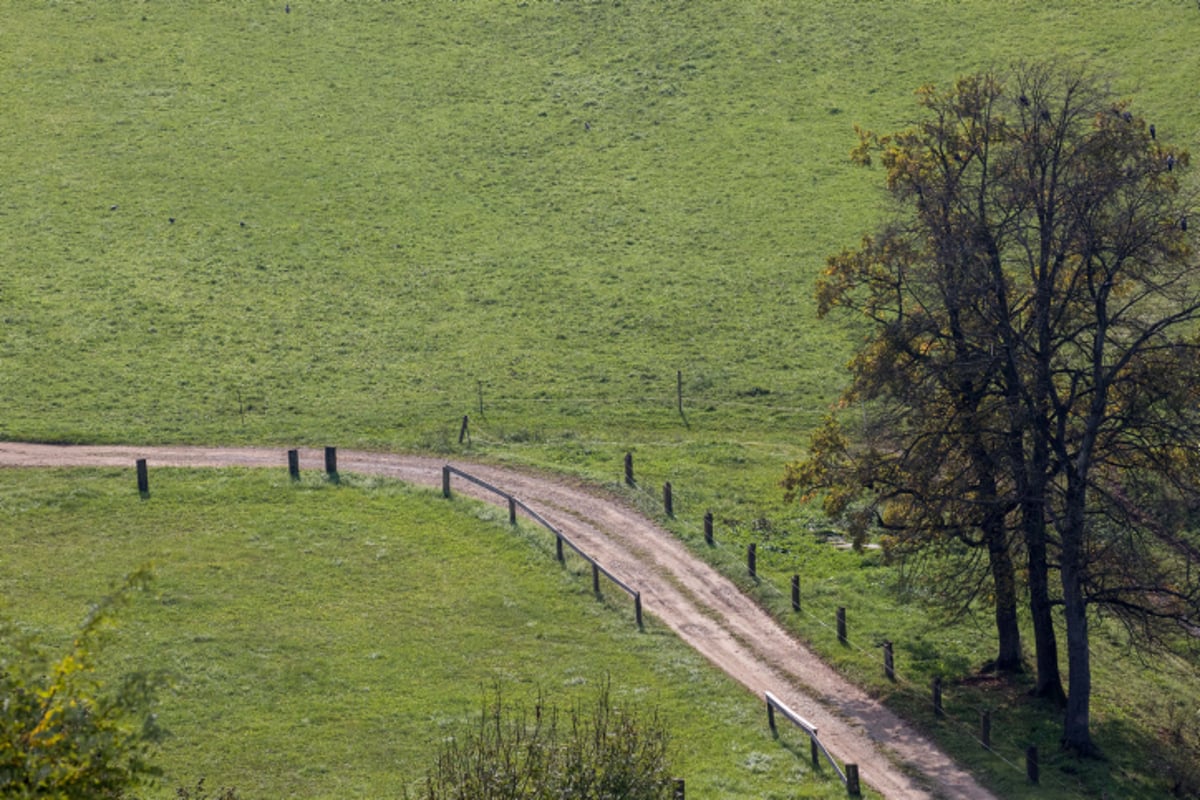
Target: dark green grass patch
(324, 640)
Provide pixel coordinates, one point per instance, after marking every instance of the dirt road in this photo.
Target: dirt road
(703, 608)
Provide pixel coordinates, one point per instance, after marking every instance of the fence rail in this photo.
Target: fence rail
(849, 776)
(559, 537)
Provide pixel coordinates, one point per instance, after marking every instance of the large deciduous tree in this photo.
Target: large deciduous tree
(1030, 381)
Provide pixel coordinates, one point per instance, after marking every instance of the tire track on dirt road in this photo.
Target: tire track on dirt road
(687, 595)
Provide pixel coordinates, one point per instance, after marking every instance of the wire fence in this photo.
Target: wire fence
(1012, 753)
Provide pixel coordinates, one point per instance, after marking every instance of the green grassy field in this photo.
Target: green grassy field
(323, 641)
(355, 223)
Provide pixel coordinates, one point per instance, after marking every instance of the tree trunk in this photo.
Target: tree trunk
(1008, 633)
(1049, 680)
(1077, 735)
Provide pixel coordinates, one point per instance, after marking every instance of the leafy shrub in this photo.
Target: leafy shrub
(602, 754)
(63, 734)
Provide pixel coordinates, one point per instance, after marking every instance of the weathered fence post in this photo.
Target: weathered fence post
(1031, 763)
(679, 390)
(512, 510)
(751, 560)
(331, 463)
(595, 577)
(678, 791)
(816, 751)
(937, 696)
(558, 551)
(771, 719)
(795, 593)
(668, 502)
(629, 469)
(294, 464)
(841, 624)
(708, 536)
(143, 479)
(889, 664)
(852, 787)
(637, 609)
(462, 432)
(985, 728)
(446, 481)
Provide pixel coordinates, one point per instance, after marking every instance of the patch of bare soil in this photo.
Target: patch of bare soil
(703, 608)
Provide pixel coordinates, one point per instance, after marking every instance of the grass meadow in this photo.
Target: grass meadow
(322, 641)
(592, 227)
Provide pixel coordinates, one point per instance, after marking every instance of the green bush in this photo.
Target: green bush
(63, 733)
(602, 754)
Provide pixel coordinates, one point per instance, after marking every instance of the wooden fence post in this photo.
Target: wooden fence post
(637, 609)
(771, 720)
(841, 624)
(462, 432)
(708, 536)
(937, 696)
(143, 479)
(595, 577)
(512, 510)
(558, 551)
(331, 463)
(629, 469)
(446, 481)
(985, 728)
(889, 664)
(852, 787)
(668, 502)
(751, 560)
(294, 464)
(816, 751)
(795, 593)
(678, 791)
(1031, 763)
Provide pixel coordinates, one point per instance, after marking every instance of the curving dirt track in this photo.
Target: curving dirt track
(702, 607)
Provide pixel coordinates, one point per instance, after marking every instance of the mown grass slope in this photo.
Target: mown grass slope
(353, 224)
(323, 642)
(350, 223)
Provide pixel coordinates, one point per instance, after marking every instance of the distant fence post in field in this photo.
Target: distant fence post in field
(462, 432)
(512, 510)
(446, 481)
(708, 520)
(985, 728)
(1031, 763)
(668, 501)
(752, 560)
(629, 469)
(795, 593)
(937, 696)
(841, 624)
(294, 464)
(889, 664)
(852, 787)
(143, 479)
(677, 793)
(331, 463)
